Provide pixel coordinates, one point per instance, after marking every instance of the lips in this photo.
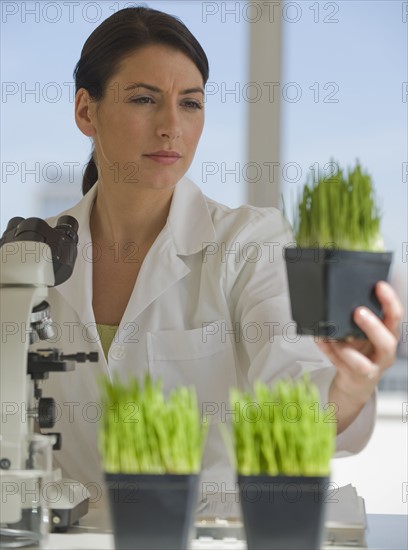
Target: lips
(164, 157)
(168, 154)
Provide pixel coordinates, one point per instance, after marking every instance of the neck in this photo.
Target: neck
(123, 213)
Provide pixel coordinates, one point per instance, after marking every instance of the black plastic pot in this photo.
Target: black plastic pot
(152, 511)
(326, 285)
(282, 512)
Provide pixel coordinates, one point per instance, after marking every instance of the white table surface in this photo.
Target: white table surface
(384, 532)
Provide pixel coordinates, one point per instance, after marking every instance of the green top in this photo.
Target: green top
(106, 335)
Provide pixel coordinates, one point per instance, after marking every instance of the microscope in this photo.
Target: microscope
(34, 257)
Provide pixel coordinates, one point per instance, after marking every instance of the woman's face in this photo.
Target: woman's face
(150, 120)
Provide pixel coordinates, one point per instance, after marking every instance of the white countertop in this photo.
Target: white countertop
(384, 531)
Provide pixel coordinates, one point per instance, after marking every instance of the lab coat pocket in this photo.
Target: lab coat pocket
(192, 358)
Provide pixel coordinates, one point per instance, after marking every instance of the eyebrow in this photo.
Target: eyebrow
(135, 85)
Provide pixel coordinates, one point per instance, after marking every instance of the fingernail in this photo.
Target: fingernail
(365, 313)
(382, 285)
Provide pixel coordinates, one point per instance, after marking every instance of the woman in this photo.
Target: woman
(170, 282)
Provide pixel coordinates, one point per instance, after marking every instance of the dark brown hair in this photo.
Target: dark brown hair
(121, 34)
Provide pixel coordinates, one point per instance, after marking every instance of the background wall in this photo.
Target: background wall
(43, 152)
(344, 97)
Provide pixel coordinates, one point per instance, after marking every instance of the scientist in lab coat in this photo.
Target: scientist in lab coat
(170, 282)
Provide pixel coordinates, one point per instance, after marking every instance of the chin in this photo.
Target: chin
(163, 181)
(157, 184)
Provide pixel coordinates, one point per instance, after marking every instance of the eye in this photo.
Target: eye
(142, 100)
(192, 104)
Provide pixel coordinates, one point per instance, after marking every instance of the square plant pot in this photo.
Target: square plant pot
(326, 285)
(283, 512)
(151, 511)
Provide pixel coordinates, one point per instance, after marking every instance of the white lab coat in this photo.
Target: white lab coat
(210, 308)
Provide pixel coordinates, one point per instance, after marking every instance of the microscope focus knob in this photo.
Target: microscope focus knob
(57, 440)
(47, 412)
(41, 322)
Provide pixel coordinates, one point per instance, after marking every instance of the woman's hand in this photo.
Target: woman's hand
(361, 363)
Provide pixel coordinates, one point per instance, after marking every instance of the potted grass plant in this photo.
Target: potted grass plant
(339, 255)
(151, 448)
(282, 445)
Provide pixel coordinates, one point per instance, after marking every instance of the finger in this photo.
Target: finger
(391, 305)
(329, 350)
(383, 341)
(350, 361)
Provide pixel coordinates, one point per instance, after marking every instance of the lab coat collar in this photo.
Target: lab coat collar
(189, 219)
(189, 229)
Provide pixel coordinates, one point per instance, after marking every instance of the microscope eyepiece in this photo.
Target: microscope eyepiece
(67, 223)
(13, 223)
(62, 240)
(67, 226)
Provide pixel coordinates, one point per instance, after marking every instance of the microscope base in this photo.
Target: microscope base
(63, 519)
(70, 506)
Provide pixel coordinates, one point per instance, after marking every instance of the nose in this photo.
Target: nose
(169, 125)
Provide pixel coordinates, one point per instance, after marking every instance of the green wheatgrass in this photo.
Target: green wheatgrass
(282, 430)
(141, 431)
(340, 210)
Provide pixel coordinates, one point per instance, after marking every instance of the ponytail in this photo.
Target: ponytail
(90, 176)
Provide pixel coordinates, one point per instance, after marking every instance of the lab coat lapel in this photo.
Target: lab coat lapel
(188, 230)
(161, 269)
(190, 221)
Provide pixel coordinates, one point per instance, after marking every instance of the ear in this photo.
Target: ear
(85, 112)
